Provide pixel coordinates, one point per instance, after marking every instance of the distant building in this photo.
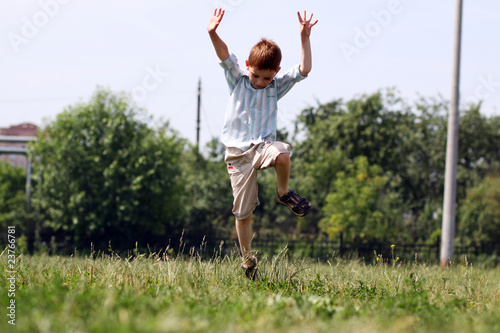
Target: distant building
(21, 130)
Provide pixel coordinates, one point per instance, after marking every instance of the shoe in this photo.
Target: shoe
(298, 205)
(251, 271)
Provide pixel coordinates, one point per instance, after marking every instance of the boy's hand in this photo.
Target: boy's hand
(219, 45)
(305, 25)
(305, 32)
(215, 20)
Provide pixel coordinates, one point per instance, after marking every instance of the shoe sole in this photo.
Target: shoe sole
(291, 207)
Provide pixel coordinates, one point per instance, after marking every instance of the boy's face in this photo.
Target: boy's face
(260, 78)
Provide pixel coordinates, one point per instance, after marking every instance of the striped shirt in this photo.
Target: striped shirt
(251, 115)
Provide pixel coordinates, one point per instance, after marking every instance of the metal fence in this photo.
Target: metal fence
(328, 250)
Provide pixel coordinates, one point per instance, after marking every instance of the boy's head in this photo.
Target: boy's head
(266, 54)
(263, 63)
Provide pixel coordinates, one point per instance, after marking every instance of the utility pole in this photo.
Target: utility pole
(198, 121)
(450, 186)
(197, 150)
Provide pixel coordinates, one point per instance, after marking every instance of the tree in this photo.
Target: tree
(316, 159)
(479, 218)
(376, 126)
(423, 168)
(13, 210)
(209, 195)
(107, 176)
(479, 142)
(362, 206)
(406, 141)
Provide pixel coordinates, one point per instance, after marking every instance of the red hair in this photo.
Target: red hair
(266, 54)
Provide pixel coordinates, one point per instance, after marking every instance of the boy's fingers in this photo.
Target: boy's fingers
(305, 20)
(221, 11)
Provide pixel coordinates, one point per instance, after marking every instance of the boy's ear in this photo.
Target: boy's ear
(277, 70)
(246, 63)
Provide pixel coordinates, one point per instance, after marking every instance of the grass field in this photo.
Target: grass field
(160, 293)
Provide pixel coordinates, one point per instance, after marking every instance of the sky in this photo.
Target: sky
(56, 53)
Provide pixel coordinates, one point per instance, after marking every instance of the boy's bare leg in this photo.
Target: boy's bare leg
(282, 167)
(244, 231)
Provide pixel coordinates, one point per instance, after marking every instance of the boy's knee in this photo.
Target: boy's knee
(245, 220)
(283, 158)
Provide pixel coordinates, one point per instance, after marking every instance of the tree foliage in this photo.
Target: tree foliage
(13, 202)
(406, 142)
(480, 213)
(362, 204)
(372, 166)
(209, 195)
(107, 176)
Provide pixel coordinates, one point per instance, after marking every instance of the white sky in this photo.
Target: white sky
(55, 53)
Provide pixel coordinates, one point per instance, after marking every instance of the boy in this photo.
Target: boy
(249, 131)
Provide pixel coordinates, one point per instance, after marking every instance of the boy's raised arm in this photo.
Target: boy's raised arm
(305, 32)
(220, 47)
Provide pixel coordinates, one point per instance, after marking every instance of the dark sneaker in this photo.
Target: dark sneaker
(298, 205)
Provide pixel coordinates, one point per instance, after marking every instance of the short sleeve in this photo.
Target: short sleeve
(232, 71)
(286, 81)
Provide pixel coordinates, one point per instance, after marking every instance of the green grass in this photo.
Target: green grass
(158, 293)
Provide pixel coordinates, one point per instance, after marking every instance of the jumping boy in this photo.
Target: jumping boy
(249, 131)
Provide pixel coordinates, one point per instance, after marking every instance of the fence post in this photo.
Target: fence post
(438, 248)
(341, 247)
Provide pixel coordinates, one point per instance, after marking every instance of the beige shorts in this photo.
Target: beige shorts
(242, 167)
